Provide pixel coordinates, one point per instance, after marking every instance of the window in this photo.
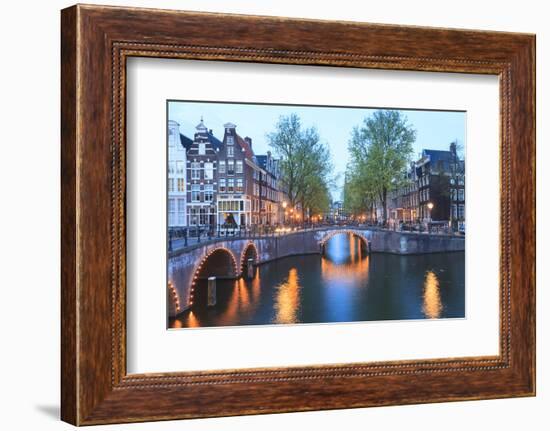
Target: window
(453, 211)
(193, 216)
(181, 185)
(461, 211)
(453, 194)
(230, 167)
(461, 181)
(171, 211)
(221, 167)
(170, 184)
(170, 141)
(239, 185)
(230, 152)
(202, 149)
(195, 192)
(452, 180)
(171, 167)
(203, 216)
(239, 167)
(208, 192)
(181, 212)
(222, 184)
(195, 171)
(230, 140)
(461, 194)
(209, 171)
(179, 167)
(230, 184)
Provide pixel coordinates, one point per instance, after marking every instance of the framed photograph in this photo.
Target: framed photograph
(282, 215)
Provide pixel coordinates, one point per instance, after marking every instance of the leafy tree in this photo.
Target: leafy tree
(380, 149)
(305, 163)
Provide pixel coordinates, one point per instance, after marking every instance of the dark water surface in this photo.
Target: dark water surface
(345, 285)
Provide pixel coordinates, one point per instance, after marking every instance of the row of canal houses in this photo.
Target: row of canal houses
(220, 184)
(433, 192)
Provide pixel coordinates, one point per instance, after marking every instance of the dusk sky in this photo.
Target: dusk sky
(435, 129)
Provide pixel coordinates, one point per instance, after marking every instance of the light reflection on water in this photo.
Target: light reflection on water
(345, 285)
(432, 298)
(287, 299)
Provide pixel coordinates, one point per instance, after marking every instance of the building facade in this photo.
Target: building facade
(216, 185)
(237, 187)
(202, 178)
(270, 195)
(177, 181)
(441, 191)
(433, 191)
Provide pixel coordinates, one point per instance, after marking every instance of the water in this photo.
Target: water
(345, 285)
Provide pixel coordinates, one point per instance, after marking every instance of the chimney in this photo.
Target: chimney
(248, 141)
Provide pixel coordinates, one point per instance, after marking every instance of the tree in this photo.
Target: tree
(380, 149)
(305, 163)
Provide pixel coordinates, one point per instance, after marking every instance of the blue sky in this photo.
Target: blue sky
(435, 129)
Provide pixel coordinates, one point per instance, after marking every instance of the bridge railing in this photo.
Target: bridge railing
(181, 238)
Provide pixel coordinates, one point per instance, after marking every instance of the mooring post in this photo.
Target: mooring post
(211, 291)
(250, 268)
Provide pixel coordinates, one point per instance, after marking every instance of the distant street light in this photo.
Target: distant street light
(430, 207)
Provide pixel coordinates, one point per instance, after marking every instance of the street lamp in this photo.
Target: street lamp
(430, 207)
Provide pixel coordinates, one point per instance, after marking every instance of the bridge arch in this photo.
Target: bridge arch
(173, 298)
(330, 234)
(218, 262)
(249, 252)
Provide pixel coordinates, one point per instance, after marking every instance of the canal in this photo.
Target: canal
(343, 285)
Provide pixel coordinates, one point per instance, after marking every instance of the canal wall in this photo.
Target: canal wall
(231, 254)
(413, 243)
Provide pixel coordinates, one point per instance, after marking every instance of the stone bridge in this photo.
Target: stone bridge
(228, 257)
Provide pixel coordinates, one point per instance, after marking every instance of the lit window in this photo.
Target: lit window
(181, 185)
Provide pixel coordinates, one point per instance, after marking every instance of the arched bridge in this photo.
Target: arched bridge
(229, 257)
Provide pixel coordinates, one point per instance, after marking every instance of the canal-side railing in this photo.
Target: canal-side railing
(179, 242)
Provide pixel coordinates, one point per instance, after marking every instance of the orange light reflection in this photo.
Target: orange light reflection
(432, 306)
(287, 299)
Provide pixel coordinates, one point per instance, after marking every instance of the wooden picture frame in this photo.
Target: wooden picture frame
(95, 43)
